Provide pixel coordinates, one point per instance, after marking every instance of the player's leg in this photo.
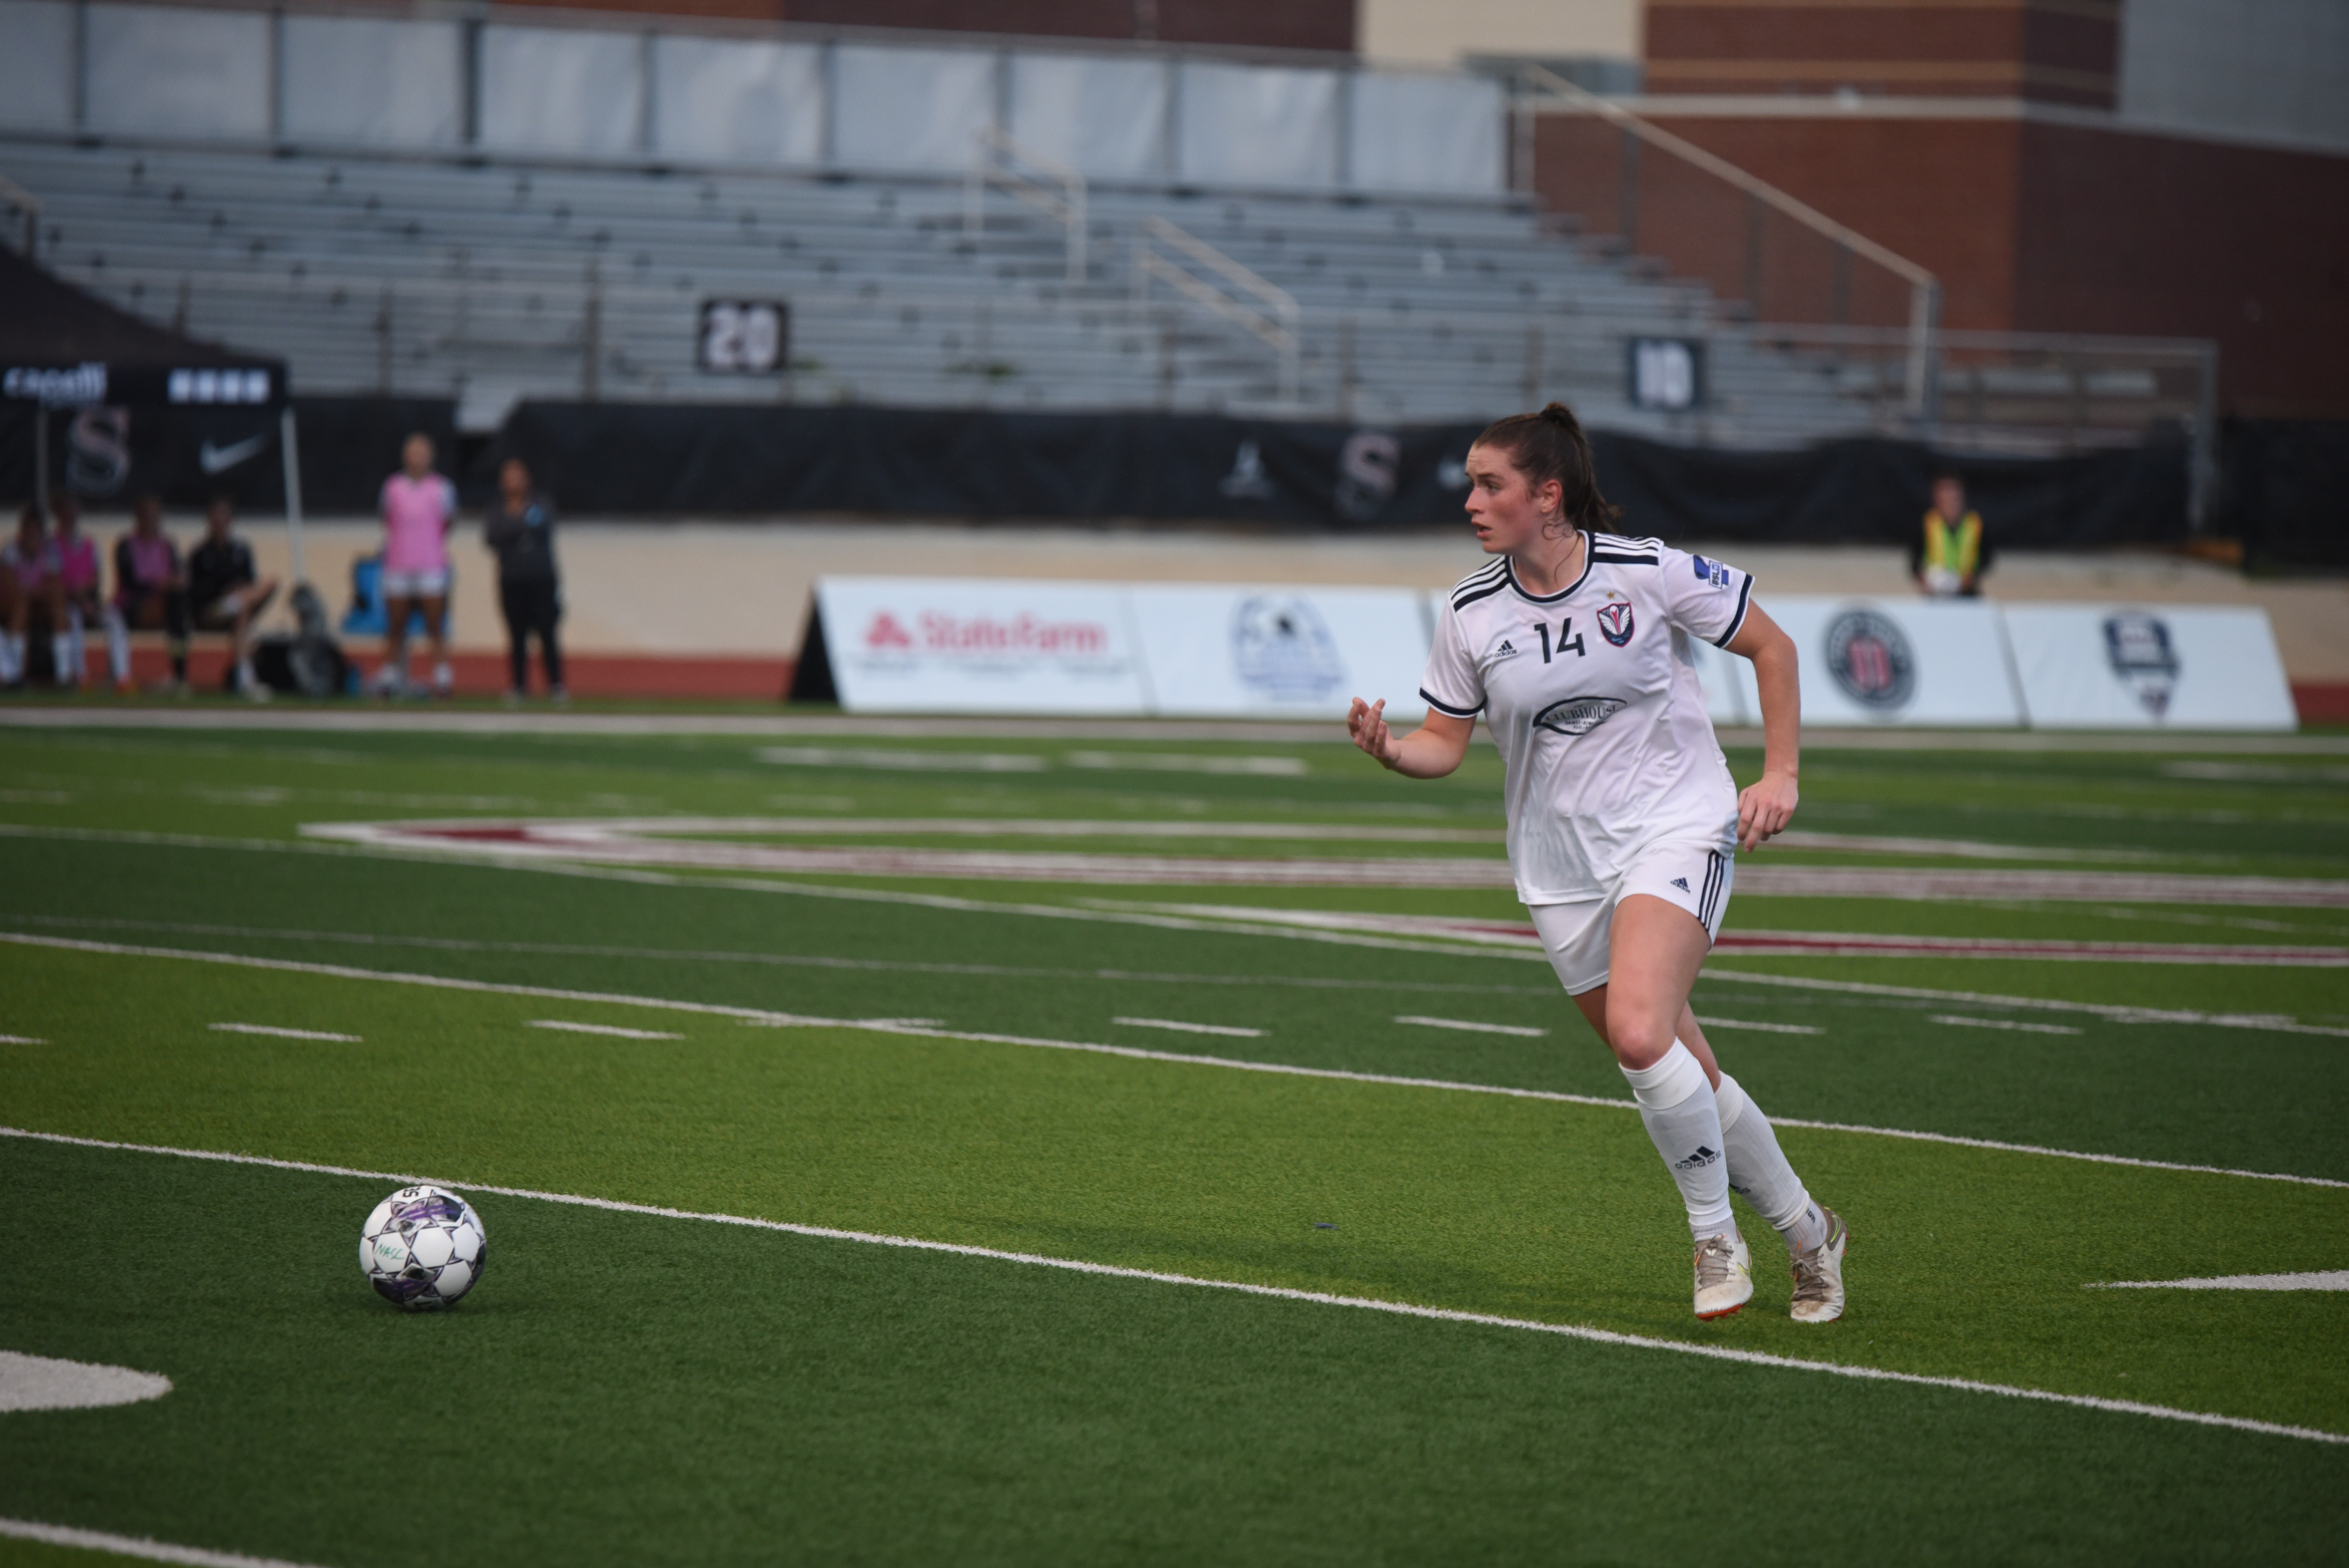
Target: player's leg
(515, 602)
(1629, 968)
(436, 632)
(61, 637)
(175, 634)
(550, 638)
(13, 614)
(117, 644)
(391, 679)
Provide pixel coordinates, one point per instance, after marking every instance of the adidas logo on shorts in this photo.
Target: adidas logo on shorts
(1682, 884)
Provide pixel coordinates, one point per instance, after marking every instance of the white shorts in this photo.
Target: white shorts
(1693, 874)
(433, 584)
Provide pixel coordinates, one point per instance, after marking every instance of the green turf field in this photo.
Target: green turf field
(1178, 1052)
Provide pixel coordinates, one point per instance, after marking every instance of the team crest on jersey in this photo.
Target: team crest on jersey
(1614, 622)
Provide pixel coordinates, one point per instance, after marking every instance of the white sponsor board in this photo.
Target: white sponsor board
(914, 644)
(1221, 652)
(2119, 667)
(1898, 661)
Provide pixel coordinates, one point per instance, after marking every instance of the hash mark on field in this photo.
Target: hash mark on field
(286, 1034)
(613, 1029)
(21, 1040)
(140, 1547)
(1471, 1027)
(1964, 1022)
(1191, 1028)
(1766, 1028)
(2332, 1279)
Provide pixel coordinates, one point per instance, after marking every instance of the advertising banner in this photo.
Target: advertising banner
(911, 645)
(2113, 666)
(1280, 652)
(1898, 661)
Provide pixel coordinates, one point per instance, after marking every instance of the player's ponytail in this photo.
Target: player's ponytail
(1548, 445)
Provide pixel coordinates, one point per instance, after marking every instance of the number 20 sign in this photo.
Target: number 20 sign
(747, 335)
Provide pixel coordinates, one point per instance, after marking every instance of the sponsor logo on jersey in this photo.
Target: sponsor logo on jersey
(1578, 715)
(1871, 659)
(2143, 658)
(1282, 649)
(1614, 622)
(1712, 572)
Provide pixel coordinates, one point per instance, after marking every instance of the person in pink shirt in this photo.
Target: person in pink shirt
(85, 604)
(419, 505)
(29, 580)
(150, 587)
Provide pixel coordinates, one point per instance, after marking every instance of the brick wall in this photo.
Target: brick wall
(2030, 225)
(2057, 51)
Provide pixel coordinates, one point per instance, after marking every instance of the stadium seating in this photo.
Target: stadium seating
(492, 281)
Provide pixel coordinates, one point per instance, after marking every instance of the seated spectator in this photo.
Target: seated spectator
(84, 601)
(149, 590)
(31, 591)
(226, 594)
(1949, 560)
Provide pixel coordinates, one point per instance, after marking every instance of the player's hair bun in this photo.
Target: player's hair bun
(1548, 445)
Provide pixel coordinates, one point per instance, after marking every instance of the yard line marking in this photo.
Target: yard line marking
(1279, 1293)
(284, 1034)
(21, 1040)
(592, 828)
(777, 885)
(1170, 762)
(912, 761)
(1765, 1028)
(1190, 1028)
(796, 1020)
(1961, 1021)
(141, 1546)
(613, 1029)
(2334, 1279)
(1473, 1028)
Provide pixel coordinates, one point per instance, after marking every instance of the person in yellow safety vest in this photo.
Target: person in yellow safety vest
(1950, 560)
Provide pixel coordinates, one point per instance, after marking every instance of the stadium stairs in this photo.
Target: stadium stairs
(492, 281)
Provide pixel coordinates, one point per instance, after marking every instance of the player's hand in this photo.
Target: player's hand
(1764, 809)
(1367, 723)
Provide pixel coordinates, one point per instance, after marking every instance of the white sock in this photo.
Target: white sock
(1676, 1104)
(12, 659)
(1759, 1172)
(78, 654)
(118, 646)
(65, 650)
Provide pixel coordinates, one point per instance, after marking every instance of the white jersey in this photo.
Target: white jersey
(1593, 700)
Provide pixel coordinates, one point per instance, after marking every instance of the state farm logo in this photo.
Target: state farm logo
(1024, 635)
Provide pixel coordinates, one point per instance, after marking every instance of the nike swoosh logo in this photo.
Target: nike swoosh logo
(219, 460)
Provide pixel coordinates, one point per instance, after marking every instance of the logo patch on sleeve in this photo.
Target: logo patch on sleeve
(1712, 572)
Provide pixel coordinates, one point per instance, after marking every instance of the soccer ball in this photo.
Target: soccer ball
(422, 1248)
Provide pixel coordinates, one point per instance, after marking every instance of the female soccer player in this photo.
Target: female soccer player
(417, 506)
(1622, 818)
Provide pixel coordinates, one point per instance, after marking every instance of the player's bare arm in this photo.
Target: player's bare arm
(1766, 806)
(1431, 751)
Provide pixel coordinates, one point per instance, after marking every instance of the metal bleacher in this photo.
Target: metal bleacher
(489, 281)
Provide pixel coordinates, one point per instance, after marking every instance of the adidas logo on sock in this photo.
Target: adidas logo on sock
(1682, 884)
(1702, 1156)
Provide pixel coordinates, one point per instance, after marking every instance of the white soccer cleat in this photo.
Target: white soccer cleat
(444, 680)
(1818, 1275)
(1725, 1275)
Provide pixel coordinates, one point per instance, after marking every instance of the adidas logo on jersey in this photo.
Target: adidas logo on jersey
(1506, 648)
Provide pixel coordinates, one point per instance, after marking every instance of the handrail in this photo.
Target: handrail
(14, 195)
(1276, 321)
(1924, 288)
(994, 164)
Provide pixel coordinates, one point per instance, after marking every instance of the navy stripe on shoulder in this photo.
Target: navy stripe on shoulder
(1440, 706)
(1481, 576)
(1624, 542)
(1744, 594)
(1466, 598)
(1622, 558)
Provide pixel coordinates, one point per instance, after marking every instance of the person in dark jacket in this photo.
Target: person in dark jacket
(226, 594)
(521, 529)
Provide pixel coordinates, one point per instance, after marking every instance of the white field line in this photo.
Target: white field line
(1008, 827)
(613, 1029)
(1768, 1028)
(1960, 1021)
(1278, 1293)
(902, 761)
(140, 1547)
(2334, 1279)
(895, 1026)
(1473, 1029)
(1171, 762)
(1178, 1024)
(2120, 1014)
(284, 1034)
(21, 1040)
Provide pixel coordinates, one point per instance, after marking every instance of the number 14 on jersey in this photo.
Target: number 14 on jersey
(1565, 629)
